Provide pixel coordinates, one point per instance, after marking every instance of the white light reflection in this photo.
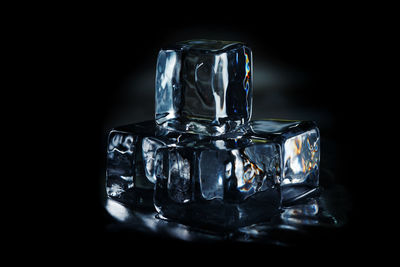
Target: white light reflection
(170, 65)
(117, 210)
(220, 66)
(220, 180)
(228, 170)
(238, 167)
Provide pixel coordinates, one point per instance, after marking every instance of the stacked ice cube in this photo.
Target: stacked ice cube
(202, 161)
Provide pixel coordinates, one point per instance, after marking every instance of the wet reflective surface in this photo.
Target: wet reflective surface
(320, 214)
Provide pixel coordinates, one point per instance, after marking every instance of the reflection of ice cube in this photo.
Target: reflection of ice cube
(305, 213)
(204, 80)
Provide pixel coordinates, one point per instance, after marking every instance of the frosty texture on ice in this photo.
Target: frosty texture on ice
(204, 86)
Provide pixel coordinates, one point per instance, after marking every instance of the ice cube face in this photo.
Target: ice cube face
(204, 82)
(300, 154)
(218, 183)
(301, 158)
(130, 161)
(121, 162)
(223, 169)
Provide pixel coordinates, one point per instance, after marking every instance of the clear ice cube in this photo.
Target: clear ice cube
(301, 158)
(130, 160)
(132, 157)
(216, 182)
(120, 162)
(300, 154)
(204, 86)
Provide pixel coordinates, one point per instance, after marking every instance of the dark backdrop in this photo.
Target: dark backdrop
(306, 66)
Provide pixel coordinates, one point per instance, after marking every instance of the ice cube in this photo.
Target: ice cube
(130, 161)
(300, 154)
(120, 162)
(212, 182)
(301, 158)
(204, 86)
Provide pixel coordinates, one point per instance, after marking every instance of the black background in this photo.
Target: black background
(307, 65)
